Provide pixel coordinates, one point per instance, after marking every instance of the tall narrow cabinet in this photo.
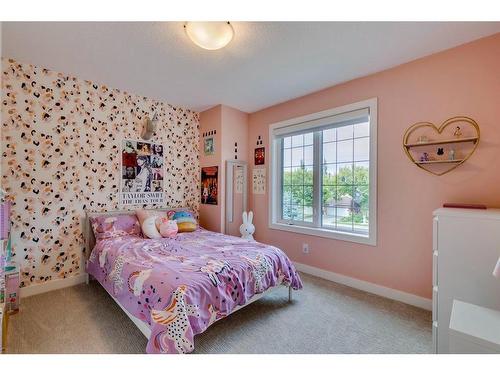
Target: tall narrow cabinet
(466, 246)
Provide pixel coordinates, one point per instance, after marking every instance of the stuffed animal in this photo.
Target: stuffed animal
(167, 228)
(247, 229)
(185, 220)
(149, 228)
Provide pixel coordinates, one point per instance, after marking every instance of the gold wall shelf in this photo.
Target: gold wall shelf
(445, 141)
(440, 161)
(427, 164)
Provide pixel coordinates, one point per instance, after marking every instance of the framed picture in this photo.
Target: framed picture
(209, 185)
(209, 145)
(141, 173)
(260, 156)
(259, 180)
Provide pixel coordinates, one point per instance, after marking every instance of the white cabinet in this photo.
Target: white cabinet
(474, 329)
(466, 246)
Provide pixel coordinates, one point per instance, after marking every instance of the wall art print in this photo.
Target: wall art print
(209, 145)
(260, 156)
(239, 180)
(259, 180)
(61, 140)
(209, 185)
(142, 173)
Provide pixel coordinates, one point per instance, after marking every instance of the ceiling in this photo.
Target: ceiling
(265, 64)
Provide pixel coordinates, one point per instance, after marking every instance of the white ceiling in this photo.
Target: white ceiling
(265, 64)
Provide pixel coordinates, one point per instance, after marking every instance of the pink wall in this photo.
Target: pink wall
(461, 81)
(235, 130)
(231, 126)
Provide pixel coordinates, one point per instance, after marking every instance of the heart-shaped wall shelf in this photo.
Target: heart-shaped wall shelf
(442, 148)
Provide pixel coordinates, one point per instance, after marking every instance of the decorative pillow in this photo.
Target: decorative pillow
(147, 220)
(185, 220)
(115, 226)
(149, 228)
(168, 228)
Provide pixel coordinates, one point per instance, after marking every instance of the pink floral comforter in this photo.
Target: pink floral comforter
(181, 286)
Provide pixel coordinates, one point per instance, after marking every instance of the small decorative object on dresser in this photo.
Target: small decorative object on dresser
(496, 271)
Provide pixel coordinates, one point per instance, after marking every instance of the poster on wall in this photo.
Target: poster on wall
(141, 173)
(259, 180)
(239, 180)
(260, 156)
(209, 185)
(209, 145)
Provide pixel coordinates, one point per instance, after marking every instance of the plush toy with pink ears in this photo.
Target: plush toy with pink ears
(167, 228)
(247, 229)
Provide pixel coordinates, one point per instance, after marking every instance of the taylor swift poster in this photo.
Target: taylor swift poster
(141, 173)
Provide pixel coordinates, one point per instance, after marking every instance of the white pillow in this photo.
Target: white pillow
(149, 228)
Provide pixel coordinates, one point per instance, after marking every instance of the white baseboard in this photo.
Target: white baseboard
(397, 295)
(410, 299)
(52, 285)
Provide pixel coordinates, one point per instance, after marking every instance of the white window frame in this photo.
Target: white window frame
(275, 175)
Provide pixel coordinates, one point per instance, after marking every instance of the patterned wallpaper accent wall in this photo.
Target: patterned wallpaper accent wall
(61, 139)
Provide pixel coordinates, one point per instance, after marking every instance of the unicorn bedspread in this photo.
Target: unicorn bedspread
(181, 286)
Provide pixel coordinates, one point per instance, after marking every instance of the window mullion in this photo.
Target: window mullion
(279, 180)
(317, 158)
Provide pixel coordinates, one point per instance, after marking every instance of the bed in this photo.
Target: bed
(174, 289)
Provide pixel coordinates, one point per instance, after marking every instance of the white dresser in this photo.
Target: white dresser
(466, 246)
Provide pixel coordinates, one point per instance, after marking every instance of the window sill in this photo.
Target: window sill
(326, 233)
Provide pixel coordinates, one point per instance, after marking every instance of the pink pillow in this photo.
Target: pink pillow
(115, 226)
(144, 214)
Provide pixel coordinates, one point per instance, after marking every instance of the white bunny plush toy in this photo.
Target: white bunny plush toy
(247, 229)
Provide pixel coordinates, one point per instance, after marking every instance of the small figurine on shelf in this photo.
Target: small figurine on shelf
(424, 157)
(458, 132)
(451, 154)
(440, 151)
(422, 139)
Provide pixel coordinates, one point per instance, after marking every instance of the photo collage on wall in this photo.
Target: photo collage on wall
(142, 173)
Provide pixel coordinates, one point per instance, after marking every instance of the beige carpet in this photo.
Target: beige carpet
(324, 317)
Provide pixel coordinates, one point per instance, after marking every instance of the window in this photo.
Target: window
(323, 173)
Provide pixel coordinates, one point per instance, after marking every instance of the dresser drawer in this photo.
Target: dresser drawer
(434, 336)
(434, 268)
(435, 234)
(434, 302)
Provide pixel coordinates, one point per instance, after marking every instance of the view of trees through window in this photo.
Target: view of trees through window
(344, 169)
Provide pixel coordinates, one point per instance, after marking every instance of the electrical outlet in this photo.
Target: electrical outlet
(305, 248)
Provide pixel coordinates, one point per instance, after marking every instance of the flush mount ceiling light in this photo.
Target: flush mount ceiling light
(209, 35)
